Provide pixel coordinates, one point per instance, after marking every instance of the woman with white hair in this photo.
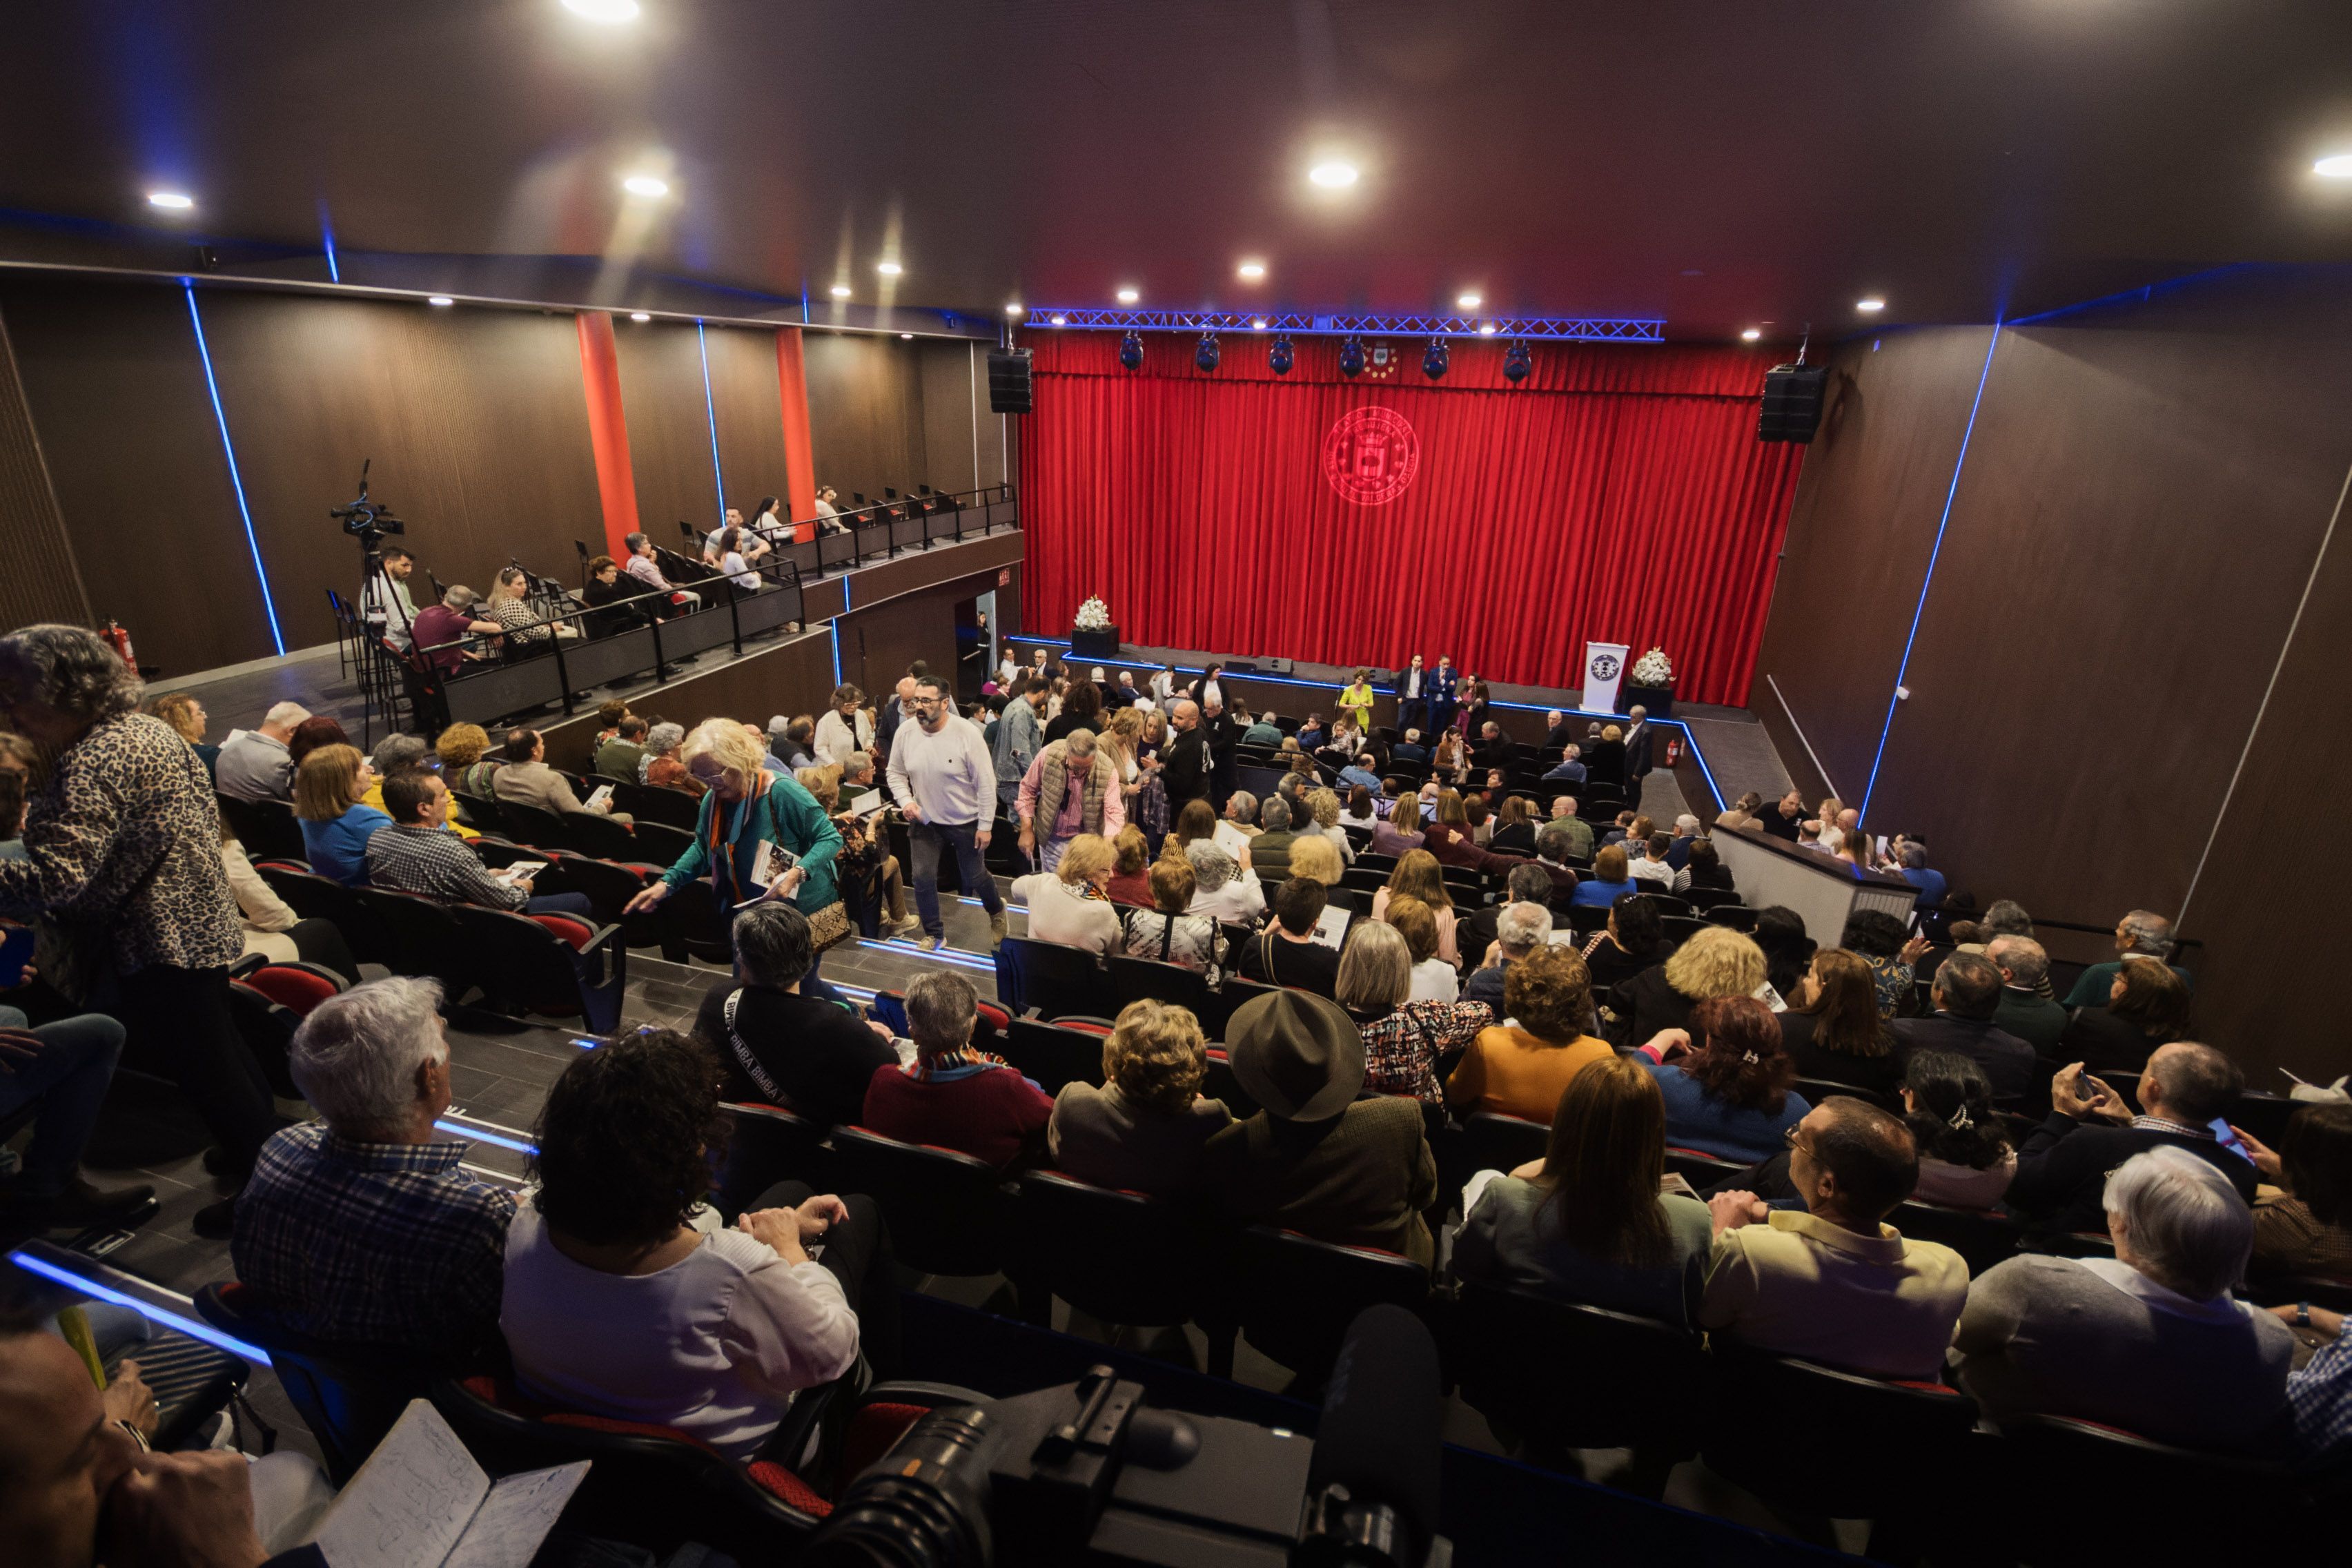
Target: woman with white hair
(1223, 888)
(2151, 1339)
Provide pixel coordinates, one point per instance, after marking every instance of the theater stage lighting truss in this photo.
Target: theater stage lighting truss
(1573, 329)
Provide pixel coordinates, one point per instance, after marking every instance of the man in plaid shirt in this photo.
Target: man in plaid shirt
(420, 855)
(361, 1229)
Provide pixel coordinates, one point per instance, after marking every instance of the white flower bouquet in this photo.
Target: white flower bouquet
(1094, 616)
(1653, 668)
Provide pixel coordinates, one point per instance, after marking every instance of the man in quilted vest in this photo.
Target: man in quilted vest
(1071, 788)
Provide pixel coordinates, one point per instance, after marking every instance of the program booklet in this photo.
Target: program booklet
(421, 1501)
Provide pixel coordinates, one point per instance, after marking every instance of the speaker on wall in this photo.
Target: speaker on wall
(1008, 381)
(1792, 403)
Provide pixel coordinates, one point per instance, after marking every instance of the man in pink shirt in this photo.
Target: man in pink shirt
(1071, 788)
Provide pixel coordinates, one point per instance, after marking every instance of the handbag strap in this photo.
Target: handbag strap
(750, 1064)
(1167, 934)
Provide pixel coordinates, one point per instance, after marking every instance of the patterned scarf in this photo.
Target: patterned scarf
(946, 1067)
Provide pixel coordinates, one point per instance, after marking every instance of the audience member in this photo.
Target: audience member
(1081, 710)
(510, 605)
(1519, 1066)
(1608, 882)
(1403, 1039)
(312, 733)
(1165, 932)
(1285, 952)
(461, 750)
(1313, 1158)
(777, 1046)
(617, 1304)
(1632, 942)
(329, 794)
(1965, 1156)
(1145, 1129)
(2149, 1340)
(1224, 890)
(2303, 1222)
(1269, 851)
(1447, 838)
(846, 727)
(1706, 869)
(2141, 937)
(1915, 870)
(2025, 1009)
(1588, 1223)
(943, 779)
(256, 764)
(1418, 876)
(1521, 926)
(2148, 1007)
(1746, 814)
(185, 714)
(1832, 1282)
(1966, 993)
(1727, 1081)
(1433, 978)
(1130, 881)
(1647, 862)
(1785, 817)
(1715, 962)
(2090, 1132)
(621, 757)
(643, 565)
(1832, 1029)
(414, 852)
(664, 767)
(1892, 949)
(1067, 905)
(62, 1069)
(954, 1095)
(527, 780)
(1779, 932)
(270, 927)
(361, 1228)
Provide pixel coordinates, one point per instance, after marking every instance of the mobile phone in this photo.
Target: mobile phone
(2092, 1088)
(2228, 1137)
(16, 944)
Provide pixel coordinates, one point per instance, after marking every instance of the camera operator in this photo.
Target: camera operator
(384, 604)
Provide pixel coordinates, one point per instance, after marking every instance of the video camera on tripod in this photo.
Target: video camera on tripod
(1089, 1473)
(365, 520)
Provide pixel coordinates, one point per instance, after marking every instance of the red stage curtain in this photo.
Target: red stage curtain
(1619, 493)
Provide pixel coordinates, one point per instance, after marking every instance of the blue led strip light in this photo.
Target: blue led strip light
(236, 482)
(1934, 553)
(711, 414)
(1570, 329)
(185, 1322)
(476, 1135)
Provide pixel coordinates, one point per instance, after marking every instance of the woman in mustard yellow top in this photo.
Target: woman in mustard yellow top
(1521, 1069)
(1357, 700)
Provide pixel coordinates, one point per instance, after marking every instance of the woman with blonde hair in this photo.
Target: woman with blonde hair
(1066, 904)
(1313, 859)
(463, 751)
(328, 788)
(1418, 876)
(1142, 1130)
(1130, 881)
(1717, 962)
(1403, 1037)
(185, 714)
(510, 606)
(1323, 803)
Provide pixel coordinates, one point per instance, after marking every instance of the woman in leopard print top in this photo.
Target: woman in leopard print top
(122, 859)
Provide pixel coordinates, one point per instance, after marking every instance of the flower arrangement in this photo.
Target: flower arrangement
(1094, 616)
(1653, 668)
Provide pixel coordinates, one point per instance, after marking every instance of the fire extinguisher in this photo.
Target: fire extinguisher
(120, 641)
(1673, 750)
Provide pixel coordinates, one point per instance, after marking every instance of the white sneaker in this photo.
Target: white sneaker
(930, 944)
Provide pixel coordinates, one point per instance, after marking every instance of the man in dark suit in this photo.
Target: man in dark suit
(2024, 1012)
(1412, 696)
(1966, 993)
(1443, 685)
(1493, 749)
(1638, 738)
(1184, 764)
(2062, 1172)
(1219, 734)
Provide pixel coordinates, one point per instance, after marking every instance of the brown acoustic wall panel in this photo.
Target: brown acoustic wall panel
(473, 421)
(744, 399)
(879, 644)
(669, 428)
(43, 583)
(951, 432)
(865, 414)
(117, 392)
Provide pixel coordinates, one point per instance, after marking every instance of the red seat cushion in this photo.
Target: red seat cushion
(626, 1428)
(996, 1016)
(569, 928)
(297, 989)
(872, 1431)
(787, 1488)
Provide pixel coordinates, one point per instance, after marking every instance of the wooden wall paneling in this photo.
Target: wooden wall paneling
(951, 433)
(117, 390)
(794, 676)
(1859, 533)
(44, 582)
(473, 421)
(879, 644)
(669, 428)
(866, 412)
(751, 416)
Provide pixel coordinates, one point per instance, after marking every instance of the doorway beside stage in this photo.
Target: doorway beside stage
(975, 642)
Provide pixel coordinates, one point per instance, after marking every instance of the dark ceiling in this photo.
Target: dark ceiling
(1721, 165)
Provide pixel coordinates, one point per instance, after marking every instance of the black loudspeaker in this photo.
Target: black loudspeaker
(1792, 403)
(1008, 381)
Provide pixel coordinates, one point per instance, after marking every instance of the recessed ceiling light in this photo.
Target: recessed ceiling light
(609, 12)
(2338, 167)
(841, 291)
(1061, 320)
(1014, 310)
(640, 316)
(1486, 328)
(1870, 305)
(1253, 270)
(646, 185)
(906, 337)
(1129, 296)
(440, 299)
(1468, 302)
(1750, 335)
(888, 269)
(175, 201)
(1334, 174)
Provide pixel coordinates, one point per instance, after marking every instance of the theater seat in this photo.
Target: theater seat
(1051, 980)
(554, 966)
(266, 828)
(1120, 1256)
(1055, 1054)
(2169, 1504)
(533, 825)
(298, 985)
(269, 1005)
(349, 1396)
(1137, 979)
(1221, 1084)
(692, 925)
(313, 896)
(426, 938)
(946, 1210)
(767, 1144)
(1293, 1297)
(652, 802)
(989, 1030)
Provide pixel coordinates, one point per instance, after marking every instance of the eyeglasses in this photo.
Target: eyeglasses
(1790, 1138)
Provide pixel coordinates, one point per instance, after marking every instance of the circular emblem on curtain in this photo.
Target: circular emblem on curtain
(1370, 455)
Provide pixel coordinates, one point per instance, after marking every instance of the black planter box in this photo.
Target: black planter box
(1658, 701)
(1098, 644)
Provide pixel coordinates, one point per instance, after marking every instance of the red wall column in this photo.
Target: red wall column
(800, 461)
(608, 432)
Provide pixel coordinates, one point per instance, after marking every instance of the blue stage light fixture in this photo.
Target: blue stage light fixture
(1352, 357)
(1130, 351)
(1433, 364)
(1518, 362)
(1205, 356)
(1277, 358)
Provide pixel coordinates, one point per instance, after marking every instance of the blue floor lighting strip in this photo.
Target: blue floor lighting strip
(476, 1135)
(1934, 555)
(236, 480)
(196, 1328)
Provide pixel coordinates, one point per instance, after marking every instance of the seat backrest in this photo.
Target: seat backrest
(1137, 979)
(1053, 1054)
(296, 986)
(1221, 1084)
(660, 844)
(1295, 1296)
(1786, 1427)
(945, 1209)
(1682, 928)
(534, 824)
(1738, 916)
(1603, 1379)
(1983, 1239)
(766, 1144)
(527, 960)
(484, 813)
(1493, 1142)
(597, 835)
(1120, 1256)
(1053, 979)
(426, 934)
(1816, 1089)
(652, 802)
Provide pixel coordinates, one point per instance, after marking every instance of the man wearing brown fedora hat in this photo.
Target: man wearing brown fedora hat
(1315, 1159)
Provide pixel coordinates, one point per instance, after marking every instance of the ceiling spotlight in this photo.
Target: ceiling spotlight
(440, 299)
(1206, 355)
(1257, 323)
(646, 185)
(1517, 361)
(841, 291)
(173, 200)
(888, 269)
(1468, 302)
(1334, 174)
(609, 12)
(1131, 350)
(640, 316)
(1352, 357)
(1751, 334)
(1129, 296)
(2338, 167)
(1279, 358)
(1486, 329)
(1014, 310)
(1061, 320)
(1871, 305)
(1252, 270)
(1433, 363)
